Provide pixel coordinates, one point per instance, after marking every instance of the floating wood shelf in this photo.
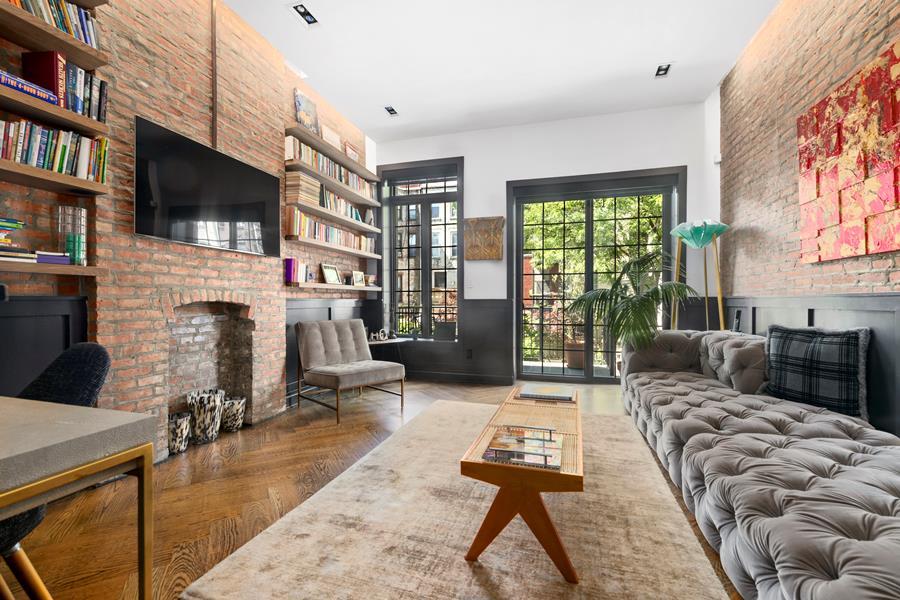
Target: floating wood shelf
(26, 106)
(321, 211)
(12, 266)
(339, 188)
(24, 29)
(310, 139)
(332, 286)
(332, 247)
(49, 180)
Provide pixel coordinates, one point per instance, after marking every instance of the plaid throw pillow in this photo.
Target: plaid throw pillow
(819, 367)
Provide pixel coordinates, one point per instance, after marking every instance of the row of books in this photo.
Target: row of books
(55, 150)
(12, 252)
(65, 16)
(296, 271)
(335, 203)
(74, 88)
(294, 149)
(302, 225)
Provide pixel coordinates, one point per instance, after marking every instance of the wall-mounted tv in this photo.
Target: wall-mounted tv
(187, 192)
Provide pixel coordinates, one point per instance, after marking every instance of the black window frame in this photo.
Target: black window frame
(423, 169)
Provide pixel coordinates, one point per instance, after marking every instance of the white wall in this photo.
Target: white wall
(665, 137)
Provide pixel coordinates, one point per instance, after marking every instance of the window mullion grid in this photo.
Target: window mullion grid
(425, 245)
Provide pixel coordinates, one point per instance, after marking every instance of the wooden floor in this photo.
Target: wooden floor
(214, 498)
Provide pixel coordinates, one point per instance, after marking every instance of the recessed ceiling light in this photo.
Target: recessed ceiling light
(391, 110)
(305, 14)
(663, 70)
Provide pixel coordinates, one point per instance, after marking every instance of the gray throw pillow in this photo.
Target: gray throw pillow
(821, 367)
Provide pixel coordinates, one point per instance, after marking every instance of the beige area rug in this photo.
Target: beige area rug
(398, 523)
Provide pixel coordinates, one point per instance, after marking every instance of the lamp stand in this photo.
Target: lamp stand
(715, 247)
(705, 290)
(677, 269)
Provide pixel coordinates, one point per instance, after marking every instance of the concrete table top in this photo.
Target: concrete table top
(39, 439)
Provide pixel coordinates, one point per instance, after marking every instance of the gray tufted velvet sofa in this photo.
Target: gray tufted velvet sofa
(800, 502)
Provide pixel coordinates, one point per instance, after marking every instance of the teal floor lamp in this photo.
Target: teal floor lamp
(699, 235)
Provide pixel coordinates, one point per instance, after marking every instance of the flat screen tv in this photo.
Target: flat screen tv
(187, 192)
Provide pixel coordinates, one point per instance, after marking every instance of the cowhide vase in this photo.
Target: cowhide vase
(233, 413)
(179, 432)
(206, 414)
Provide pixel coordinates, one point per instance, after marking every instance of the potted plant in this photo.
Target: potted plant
(573, 349)
(629, 308)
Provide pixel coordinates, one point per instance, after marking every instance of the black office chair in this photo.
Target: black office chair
(75, 377)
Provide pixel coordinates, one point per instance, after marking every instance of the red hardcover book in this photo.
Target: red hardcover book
(48, 70)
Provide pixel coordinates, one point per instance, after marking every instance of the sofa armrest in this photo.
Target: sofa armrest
(670, 350)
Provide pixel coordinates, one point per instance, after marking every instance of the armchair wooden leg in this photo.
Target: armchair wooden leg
(5, 592)
(401, 395)
(28, 578)
(337, 405)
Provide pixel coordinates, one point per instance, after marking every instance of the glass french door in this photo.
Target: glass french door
(565, 247)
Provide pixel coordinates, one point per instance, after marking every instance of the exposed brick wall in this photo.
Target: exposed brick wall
(805, 49)
(161, 69)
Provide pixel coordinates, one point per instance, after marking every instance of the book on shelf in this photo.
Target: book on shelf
(294, 149)
(65, 16)
(52, 258)
(336, 204)
(28, 88)
(547, 391)
(302, 225)
(525, 446)
(56, 150)
(295, 271)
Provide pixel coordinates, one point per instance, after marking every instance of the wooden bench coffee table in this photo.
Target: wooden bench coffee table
(521, 487)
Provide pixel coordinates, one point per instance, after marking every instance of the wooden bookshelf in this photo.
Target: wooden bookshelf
(11, 266)
(332, 247)
(332, 286)
(339, 188)
(24, 105)
(317, 143)
(24, 29)
(348, 222)
(49, 180)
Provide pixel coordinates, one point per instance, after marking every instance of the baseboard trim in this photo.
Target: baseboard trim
(448, 377)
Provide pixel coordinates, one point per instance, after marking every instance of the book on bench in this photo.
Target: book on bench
(526, 447)
(547, 391)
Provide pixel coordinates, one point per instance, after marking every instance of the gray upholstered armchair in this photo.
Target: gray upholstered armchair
(335, 355)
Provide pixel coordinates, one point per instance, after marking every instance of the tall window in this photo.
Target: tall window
(425, 258)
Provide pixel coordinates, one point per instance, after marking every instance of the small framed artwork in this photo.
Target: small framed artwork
(359, 278)
(351, 151)
(305, 112)
(736, 326)
(331, 274)
(331, 136)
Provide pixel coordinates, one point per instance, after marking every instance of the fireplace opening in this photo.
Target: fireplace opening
(210, 346)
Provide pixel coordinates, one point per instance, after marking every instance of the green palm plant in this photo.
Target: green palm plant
(629, 308)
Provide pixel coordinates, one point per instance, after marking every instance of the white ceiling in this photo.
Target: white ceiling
(459, 65)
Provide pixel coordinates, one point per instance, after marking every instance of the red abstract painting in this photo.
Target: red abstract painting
(848, 149)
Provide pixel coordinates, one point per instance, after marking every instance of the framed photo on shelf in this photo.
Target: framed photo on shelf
(359, 279)
(351, 151)
(331, 275)
(331, 136)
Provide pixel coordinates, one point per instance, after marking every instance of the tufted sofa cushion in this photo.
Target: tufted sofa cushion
(670, 351)
(736, 359)
(800, 518)
(799, 501)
